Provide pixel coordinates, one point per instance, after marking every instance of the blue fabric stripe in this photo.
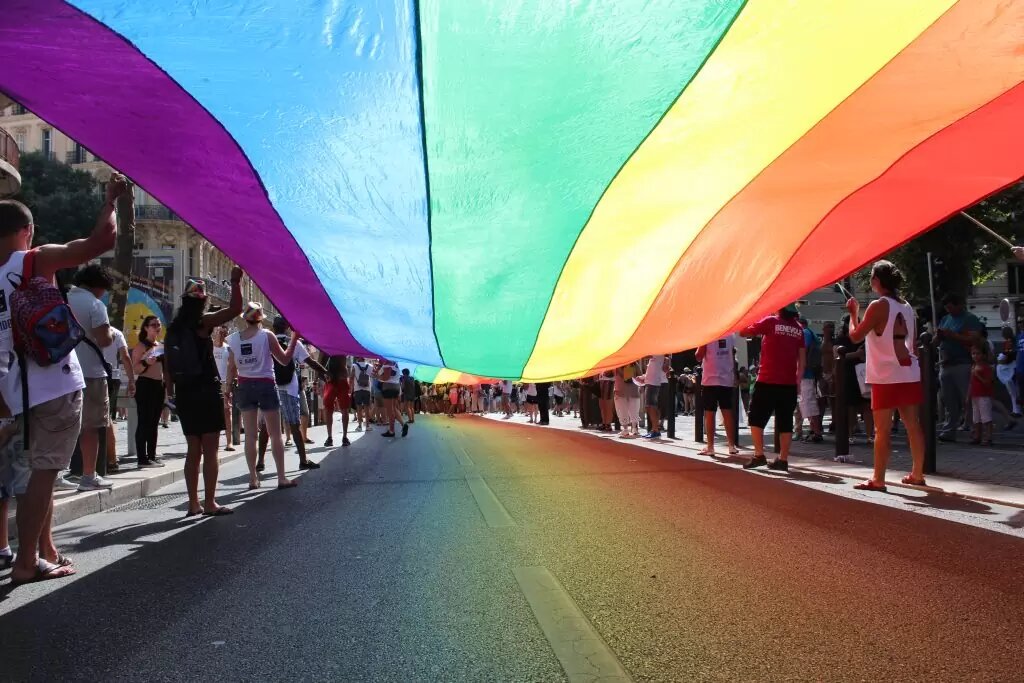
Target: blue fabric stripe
(323, 97)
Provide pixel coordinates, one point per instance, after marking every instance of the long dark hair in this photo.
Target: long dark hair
(188, 316)
(143, 335)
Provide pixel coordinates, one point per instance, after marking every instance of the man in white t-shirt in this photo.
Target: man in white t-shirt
(361, 381)
(288, 392)
(121, 369)
(92, 282)
(717, 381)
(656, 375)
(54, 418)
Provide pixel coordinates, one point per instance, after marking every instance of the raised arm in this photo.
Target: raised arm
(53, 257)
(212, 321)
(282, 356)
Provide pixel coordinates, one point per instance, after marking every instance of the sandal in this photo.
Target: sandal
(45, 571)
(909, 481)
(706, 451)
(218, 512)
(734, 451)
(289, 485)
(870, 485)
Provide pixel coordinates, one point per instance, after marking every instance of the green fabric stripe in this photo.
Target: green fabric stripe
(530, 110)
(425, 373)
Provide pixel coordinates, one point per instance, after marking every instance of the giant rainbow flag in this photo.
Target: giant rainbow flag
(536, 188)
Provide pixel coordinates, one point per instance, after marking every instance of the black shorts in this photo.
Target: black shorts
(715, 398)
(390, 393)
(558, 400)
(532, 400)
(200, 409)
(777, 399)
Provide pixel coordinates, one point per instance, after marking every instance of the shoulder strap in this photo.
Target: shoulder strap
(99, 353)
(28, 267)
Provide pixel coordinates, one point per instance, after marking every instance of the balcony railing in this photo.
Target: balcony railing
(76, 156)
(216, 289)
(9, 149)
(155, 213)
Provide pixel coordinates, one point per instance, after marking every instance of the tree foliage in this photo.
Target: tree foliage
(64, 200)
(962, 254)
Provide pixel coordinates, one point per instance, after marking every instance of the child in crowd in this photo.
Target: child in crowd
(980, 392)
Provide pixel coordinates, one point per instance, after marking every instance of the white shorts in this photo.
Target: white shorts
(982, 407)
(809, 398)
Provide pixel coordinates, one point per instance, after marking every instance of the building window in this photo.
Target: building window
(1015, 278)
(21, 139)
(47, 142)
(19, 110)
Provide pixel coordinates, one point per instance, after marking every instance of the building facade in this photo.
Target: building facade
(168, 251)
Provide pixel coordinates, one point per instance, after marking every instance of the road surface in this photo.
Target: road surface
(477, 550)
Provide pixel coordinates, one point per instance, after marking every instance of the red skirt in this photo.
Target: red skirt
(889, 396)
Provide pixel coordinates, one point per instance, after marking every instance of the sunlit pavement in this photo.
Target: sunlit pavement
(478, 550)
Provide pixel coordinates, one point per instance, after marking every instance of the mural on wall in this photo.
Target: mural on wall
(152, 293)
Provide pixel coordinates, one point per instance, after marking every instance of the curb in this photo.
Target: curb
(81, 504)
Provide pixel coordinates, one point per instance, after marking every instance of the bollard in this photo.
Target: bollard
(671, 417)
(841, 412)
(698, 409)
(236, 422)
(133, 424)
(929, 411)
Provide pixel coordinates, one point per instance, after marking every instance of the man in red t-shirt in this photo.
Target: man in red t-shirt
(783, 358)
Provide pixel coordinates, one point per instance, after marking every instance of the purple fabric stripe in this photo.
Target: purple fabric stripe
(99, 89)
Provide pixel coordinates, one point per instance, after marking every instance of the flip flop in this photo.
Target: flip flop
(705, 451)
(734, 451)
(45, 571)
(193, 513)
(911, 482)
(64, 561)
(219, 512)
(253, 487)
(870, 485)
(289, 485)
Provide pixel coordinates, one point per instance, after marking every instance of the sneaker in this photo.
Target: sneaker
(310, 442)
(113, 468)
(65, 484)
(817, 438)
(389, 435)
(405, 429)
(841, 458)
(94, 483)
(346, 442)
(329, 443)
(151, 464)
(260, 467)
(652, 435)
(756, 461)
(947, 437)
(309, 465)
(779, 465)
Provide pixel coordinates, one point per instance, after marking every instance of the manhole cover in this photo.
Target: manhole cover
(151, 502)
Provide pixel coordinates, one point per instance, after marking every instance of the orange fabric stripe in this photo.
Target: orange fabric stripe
(968, 57)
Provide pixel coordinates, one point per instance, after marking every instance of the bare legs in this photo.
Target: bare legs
(203, 448)
(273, 422)
(883, 443)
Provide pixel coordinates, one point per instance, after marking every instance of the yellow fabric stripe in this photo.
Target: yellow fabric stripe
(781, 68)
(446, 376)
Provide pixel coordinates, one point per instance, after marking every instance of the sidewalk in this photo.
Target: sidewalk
(131, 483)
(989, 475)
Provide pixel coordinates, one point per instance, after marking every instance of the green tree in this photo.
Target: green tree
(64, 200)
(963, 254)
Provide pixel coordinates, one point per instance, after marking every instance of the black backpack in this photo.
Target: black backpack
(183, 357)
(363, 378)
(283, 374)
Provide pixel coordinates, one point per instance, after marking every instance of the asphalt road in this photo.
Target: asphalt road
(405, 560)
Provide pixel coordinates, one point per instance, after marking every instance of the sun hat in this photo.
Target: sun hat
(195, 289)
(253, 312)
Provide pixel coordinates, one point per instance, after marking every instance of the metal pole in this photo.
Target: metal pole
(929, 411)
(931, 293)
(841, 412)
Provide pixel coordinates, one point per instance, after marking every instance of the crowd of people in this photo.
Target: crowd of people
(62, 367)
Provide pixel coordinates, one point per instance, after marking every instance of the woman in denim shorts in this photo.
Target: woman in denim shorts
(251, 355)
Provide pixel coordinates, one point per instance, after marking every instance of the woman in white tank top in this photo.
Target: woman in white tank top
(251, 355)
(889, 329)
